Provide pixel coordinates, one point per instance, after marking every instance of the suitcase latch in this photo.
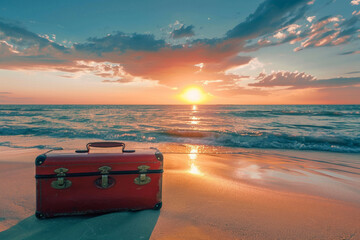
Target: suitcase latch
(104, 171)
(143, 178)
(61, 182)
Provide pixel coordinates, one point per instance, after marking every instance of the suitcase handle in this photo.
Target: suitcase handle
(104, 145)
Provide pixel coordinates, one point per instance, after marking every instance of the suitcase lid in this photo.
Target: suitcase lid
(87, 161)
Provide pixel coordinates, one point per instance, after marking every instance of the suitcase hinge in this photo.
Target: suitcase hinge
(61, 182)
(143, 178)
(104, 171)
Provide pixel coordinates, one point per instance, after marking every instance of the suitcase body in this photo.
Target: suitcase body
(85, 182)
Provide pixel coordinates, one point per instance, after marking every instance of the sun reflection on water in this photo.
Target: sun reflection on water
(193, 153)
(194, 119)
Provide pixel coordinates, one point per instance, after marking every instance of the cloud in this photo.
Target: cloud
(350, 52)
(120, 80)
(22, 38)
(310, 19)
(311, 2)
(142, 55)
(124, 58)
(292, 29)
(136, 82)
(296, 80)
(227, 91)
(268, 17)
(10, 98)
(282, 78)
(328, 31)
(121, 42)
(279, 35)
(354, 72)
(263, 41)
(183, 32)
(22, 49)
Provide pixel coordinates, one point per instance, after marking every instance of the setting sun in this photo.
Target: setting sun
(193, 95)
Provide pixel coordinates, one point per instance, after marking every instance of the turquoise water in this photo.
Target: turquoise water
(302, 127)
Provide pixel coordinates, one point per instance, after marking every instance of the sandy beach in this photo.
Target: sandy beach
(254, 105)
(208, 193)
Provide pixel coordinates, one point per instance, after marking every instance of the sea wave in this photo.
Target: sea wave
(255, 139)
(11, 145)
(244, 139)
(278, 113)
(322, 128)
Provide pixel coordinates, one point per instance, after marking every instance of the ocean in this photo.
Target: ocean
(334, 128)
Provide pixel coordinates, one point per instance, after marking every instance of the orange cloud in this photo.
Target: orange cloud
(297, 80)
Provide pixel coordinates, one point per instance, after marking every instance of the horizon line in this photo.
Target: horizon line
(82, 104)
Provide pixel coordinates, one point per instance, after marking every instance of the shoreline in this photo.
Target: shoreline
(59, 143)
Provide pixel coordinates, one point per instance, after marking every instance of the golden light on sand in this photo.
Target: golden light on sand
(193, 95)
(193, 155)
(194, 169)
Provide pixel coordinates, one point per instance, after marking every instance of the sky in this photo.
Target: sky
(152, 52)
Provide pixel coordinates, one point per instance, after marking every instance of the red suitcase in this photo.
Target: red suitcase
(85, 182)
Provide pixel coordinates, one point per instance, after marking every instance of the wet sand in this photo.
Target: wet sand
(208, 193)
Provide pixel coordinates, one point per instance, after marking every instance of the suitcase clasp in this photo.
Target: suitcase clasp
(104, 171)
(143, 178)
(61, 182)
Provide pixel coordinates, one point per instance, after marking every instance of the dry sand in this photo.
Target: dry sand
(253, 194)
